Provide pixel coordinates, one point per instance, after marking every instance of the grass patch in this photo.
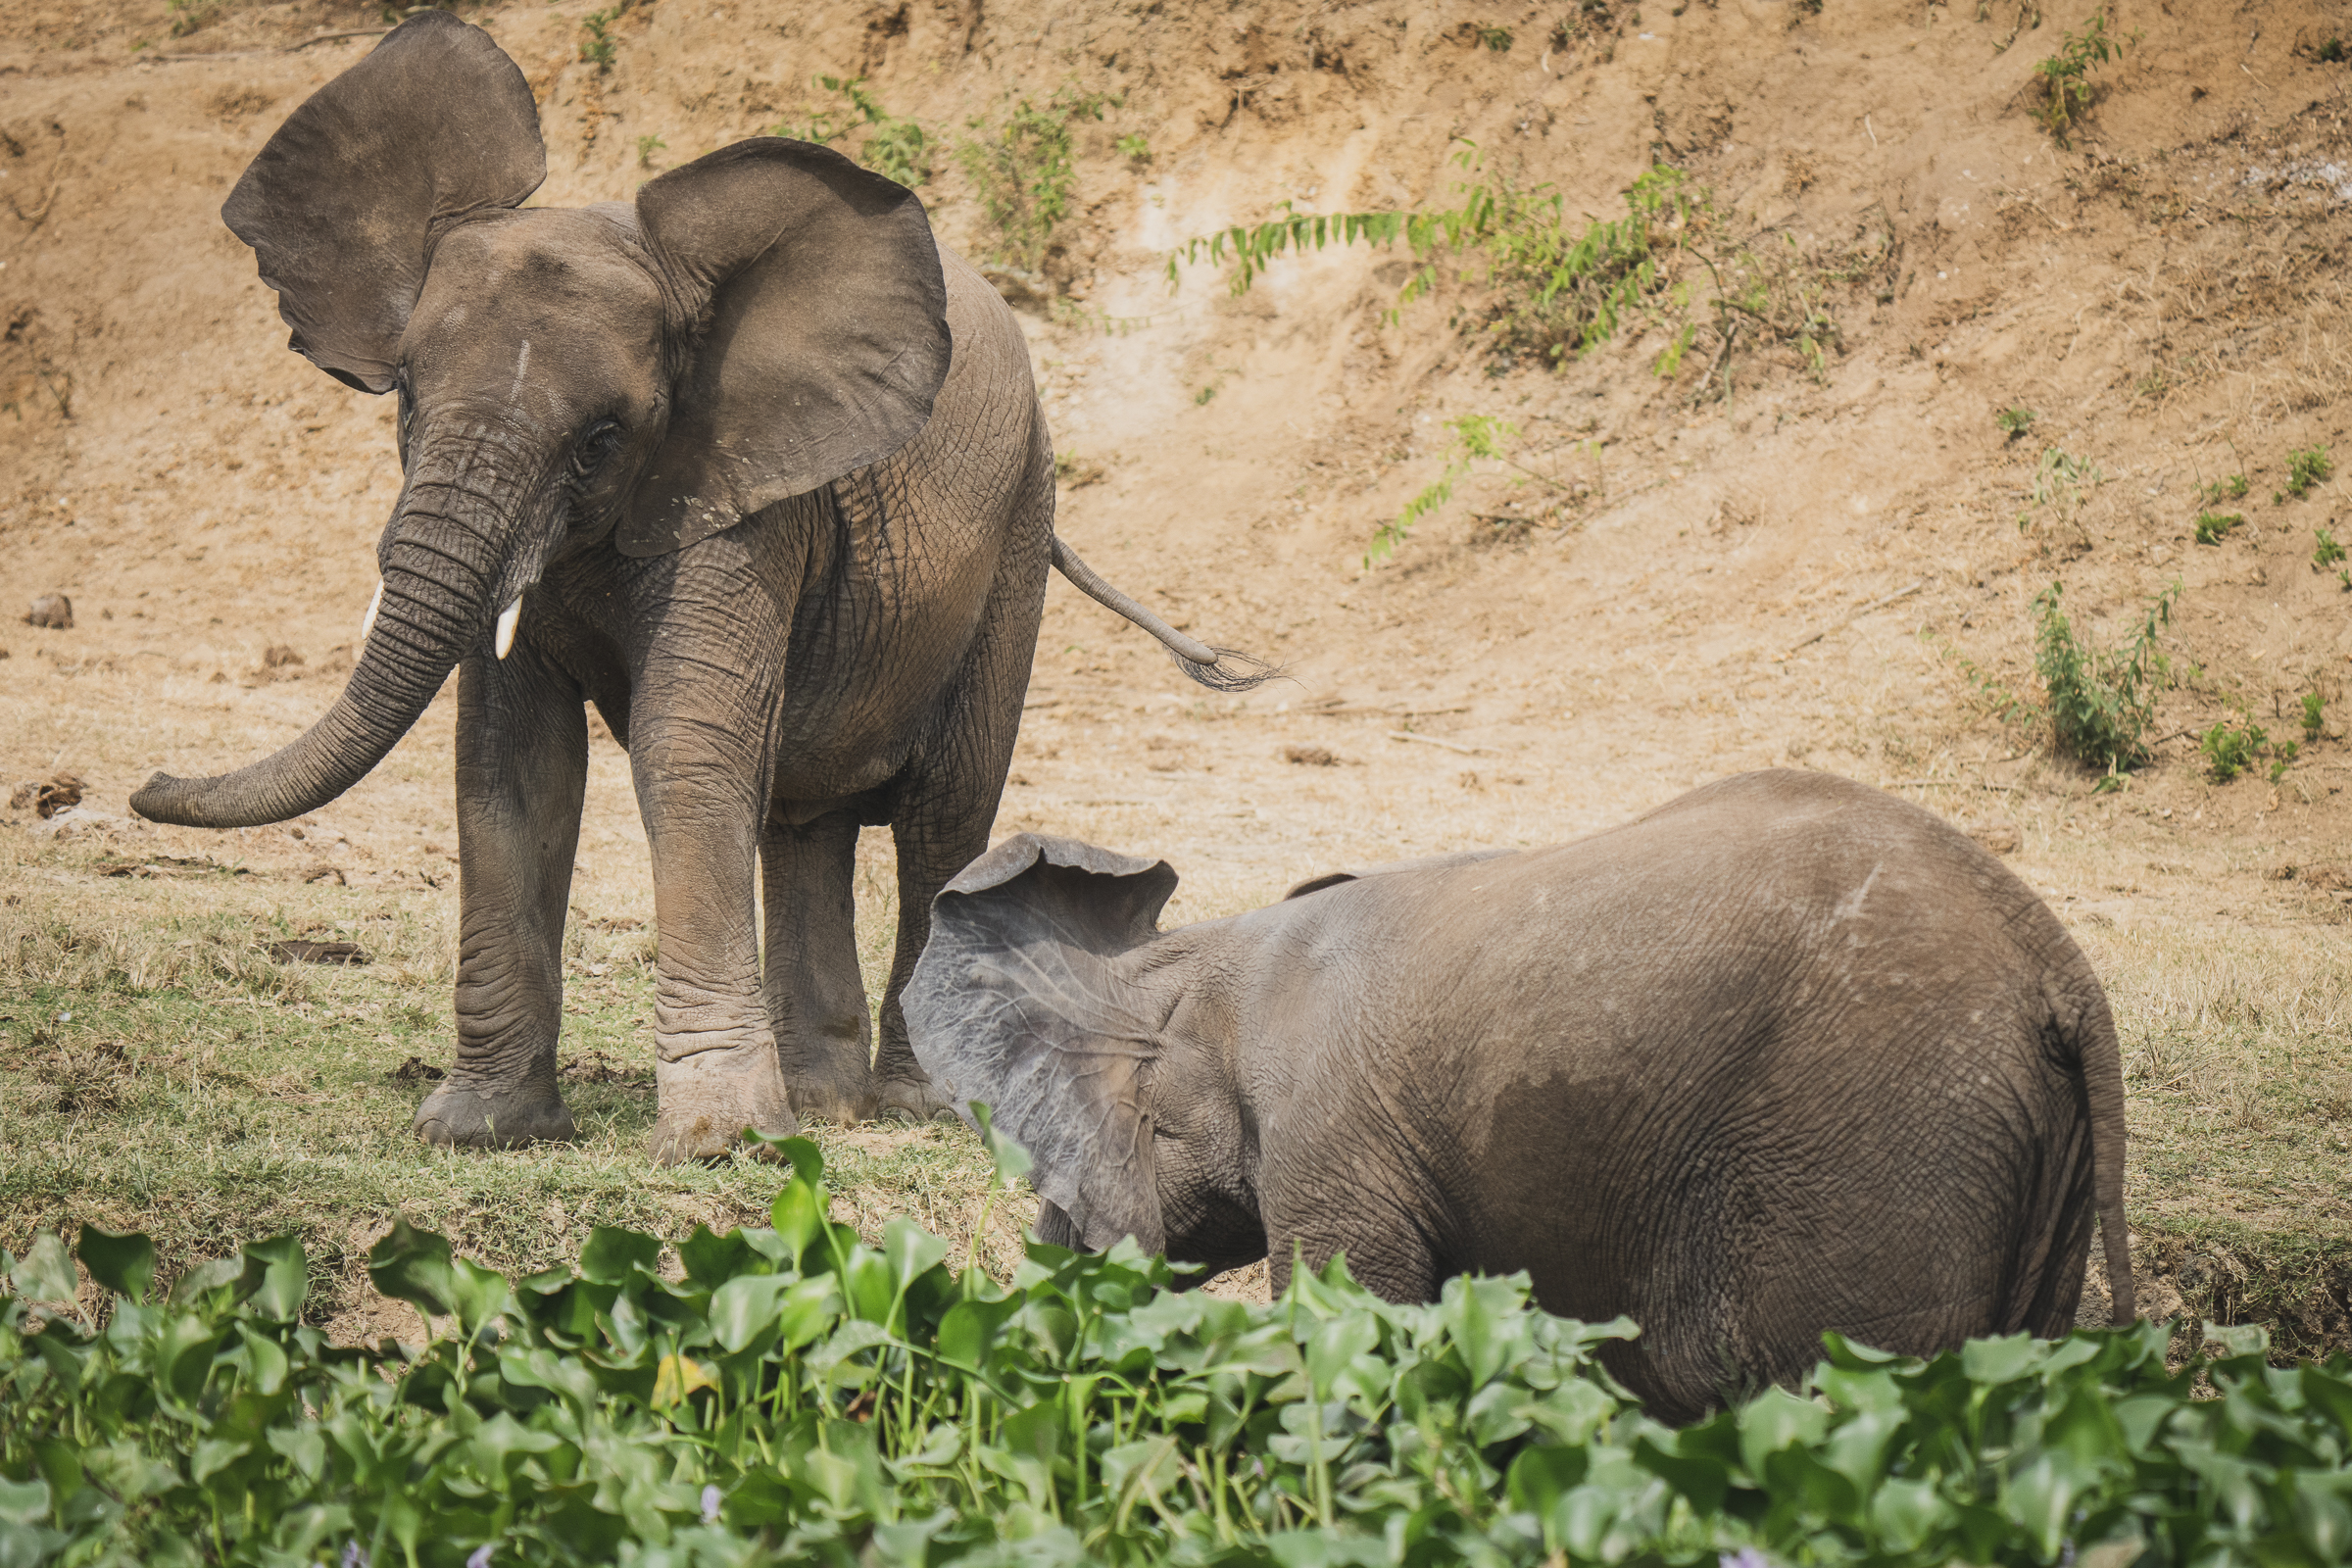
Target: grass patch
(159, 1072)
(2238, 1078)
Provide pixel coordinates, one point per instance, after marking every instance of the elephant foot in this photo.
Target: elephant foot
(912, 1100)
(841, 1098)
(709, 1098)
(460, 1115)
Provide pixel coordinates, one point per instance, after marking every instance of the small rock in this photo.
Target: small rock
(1310, 755)
(2000, 835)
(53, 611)
(278, 655)
(78, 821)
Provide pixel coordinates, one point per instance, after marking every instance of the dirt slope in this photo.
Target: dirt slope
(1791, 574)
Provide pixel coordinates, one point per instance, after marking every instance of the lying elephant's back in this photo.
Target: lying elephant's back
(1779, 1050)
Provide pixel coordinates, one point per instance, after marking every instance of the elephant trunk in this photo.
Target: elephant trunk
(439, 597)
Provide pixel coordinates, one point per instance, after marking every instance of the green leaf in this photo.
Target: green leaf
(1335, 1343)
(124, 1264)
(970, 1327)
(220, 1274)
(45, 1273)
(1011, 1160)
(2001, 1361)
(264, 1362)
(799, 1216)
(2039, 1499)
(614, 1254)
(1774, 1420)
(908, 1250)
(413, 1265)
(276, 1278)
(23, 1503)
(1907, 1513)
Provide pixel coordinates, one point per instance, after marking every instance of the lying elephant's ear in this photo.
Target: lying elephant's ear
(1017, 1003)
(344, 205)
(815, 328)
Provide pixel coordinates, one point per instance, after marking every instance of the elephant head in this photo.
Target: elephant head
(1100, 1044)
(755, 325)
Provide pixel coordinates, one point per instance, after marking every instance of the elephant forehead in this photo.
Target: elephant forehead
(575, 269)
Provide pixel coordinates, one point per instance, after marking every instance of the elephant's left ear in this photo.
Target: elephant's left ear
(814, 319)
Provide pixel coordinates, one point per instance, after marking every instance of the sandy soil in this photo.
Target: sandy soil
(1781, 577)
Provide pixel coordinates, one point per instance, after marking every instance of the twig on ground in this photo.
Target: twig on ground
(1452, 746)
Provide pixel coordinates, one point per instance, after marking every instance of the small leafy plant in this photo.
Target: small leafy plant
(647, 146)
(2325, 551)
(2214, 526)
(1485, 35)
(2016, 422)
(189, 15)
(1134, 147)
(2231, 746)
(2101, 702)
(2315, 717)
(2306, 467)
(1477, 438)
(893, 146)
(598, 46)
(1024, 167)
(2066, 75)
(2233, 488)
(2061, 483)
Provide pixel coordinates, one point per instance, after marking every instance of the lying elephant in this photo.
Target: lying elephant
(750, 463)
(1786, 1054)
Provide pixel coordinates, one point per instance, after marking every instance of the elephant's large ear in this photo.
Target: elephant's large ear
(343, 205)
(1017, 1002)
(816, 327)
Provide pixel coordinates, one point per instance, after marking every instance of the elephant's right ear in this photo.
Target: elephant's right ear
(1017, 1003)
(812, 324)
(344, 205)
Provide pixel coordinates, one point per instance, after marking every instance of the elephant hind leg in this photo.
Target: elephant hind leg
(945, 804)
(816, 995)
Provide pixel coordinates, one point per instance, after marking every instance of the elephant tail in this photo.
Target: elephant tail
(1220, 670)
(2103, 1086)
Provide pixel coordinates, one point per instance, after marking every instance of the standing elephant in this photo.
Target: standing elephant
(750, 463)
(1786, 1054)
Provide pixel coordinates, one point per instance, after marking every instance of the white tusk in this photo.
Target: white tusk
(368, 622)
(508, 619)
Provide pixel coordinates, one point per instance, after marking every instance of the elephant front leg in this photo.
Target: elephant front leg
(816, 995)
(716, 1070)
(523, 771)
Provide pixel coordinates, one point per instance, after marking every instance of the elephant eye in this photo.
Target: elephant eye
(593, 447)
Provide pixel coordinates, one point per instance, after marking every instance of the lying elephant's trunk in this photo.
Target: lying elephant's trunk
(436, 603)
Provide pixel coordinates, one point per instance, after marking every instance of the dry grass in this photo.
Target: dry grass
(160, 1071)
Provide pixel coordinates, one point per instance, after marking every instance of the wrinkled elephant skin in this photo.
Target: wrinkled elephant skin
(1785, 1055)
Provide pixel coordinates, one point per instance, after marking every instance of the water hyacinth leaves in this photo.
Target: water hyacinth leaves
(792, 1393)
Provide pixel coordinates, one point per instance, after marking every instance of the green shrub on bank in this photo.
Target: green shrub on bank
(798, 1396)
(2101, 700)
